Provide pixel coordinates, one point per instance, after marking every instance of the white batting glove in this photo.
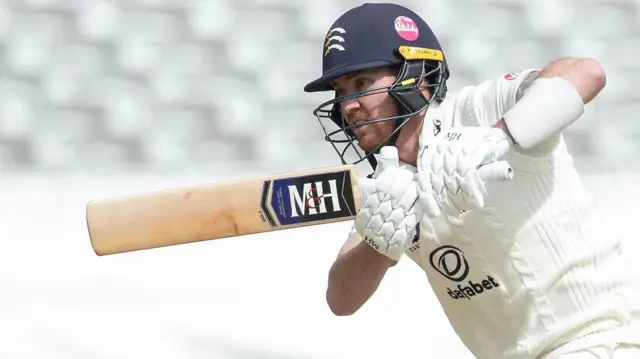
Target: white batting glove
(389, 215)
(452, 169)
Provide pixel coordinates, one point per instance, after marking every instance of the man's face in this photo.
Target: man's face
(369, 107)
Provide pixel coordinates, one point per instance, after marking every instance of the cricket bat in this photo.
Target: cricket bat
(222, 210)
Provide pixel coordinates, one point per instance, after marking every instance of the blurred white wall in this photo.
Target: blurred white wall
(105, 97)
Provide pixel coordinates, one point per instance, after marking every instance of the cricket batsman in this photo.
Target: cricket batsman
(478, 189)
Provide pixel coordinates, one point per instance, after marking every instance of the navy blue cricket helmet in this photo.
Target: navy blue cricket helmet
(379, 35)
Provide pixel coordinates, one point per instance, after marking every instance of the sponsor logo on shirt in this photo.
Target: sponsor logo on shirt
(452, 264)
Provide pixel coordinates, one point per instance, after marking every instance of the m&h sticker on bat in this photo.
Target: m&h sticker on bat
(309, 198)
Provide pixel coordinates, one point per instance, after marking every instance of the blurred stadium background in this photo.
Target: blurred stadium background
(100, 98)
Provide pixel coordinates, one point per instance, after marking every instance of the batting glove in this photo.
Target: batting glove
(388, 218)
(452, 169)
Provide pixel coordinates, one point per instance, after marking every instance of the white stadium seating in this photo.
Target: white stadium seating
(160, 84)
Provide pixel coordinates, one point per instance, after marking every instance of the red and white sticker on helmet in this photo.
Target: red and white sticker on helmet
(406, 28)
(511, 76)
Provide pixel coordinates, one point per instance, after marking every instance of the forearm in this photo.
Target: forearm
(552, 101)
(586, 75)
(354, 277)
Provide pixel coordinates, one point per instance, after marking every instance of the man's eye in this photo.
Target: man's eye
(362, 83)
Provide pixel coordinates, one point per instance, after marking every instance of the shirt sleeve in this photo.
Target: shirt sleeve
(486, 103)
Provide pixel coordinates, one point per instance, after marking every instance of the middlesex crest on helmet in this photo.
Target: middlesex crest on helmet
(335, 40)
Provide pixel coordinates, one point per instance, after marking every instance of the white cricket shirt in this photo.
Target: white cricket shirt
(534, 269)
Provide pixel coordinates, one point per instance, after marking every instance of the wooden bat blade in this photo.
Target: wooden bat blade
(222, 210)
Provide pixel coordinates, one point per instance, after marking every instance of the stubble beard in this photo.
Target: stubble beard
(371, 135)
(374, 135)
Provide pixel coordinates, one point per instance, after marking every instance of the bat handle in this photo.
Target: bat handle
(496, 171)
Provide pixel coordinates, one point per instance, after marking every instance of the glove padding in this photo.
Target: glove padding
(388, 218)
(452, 169)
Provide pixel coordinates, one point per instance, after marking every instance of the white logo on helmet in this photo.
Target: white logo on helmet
(334, 41)
(406, 28)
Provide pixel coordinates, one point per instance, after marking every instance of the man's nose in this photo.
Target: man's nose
(349, 107)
